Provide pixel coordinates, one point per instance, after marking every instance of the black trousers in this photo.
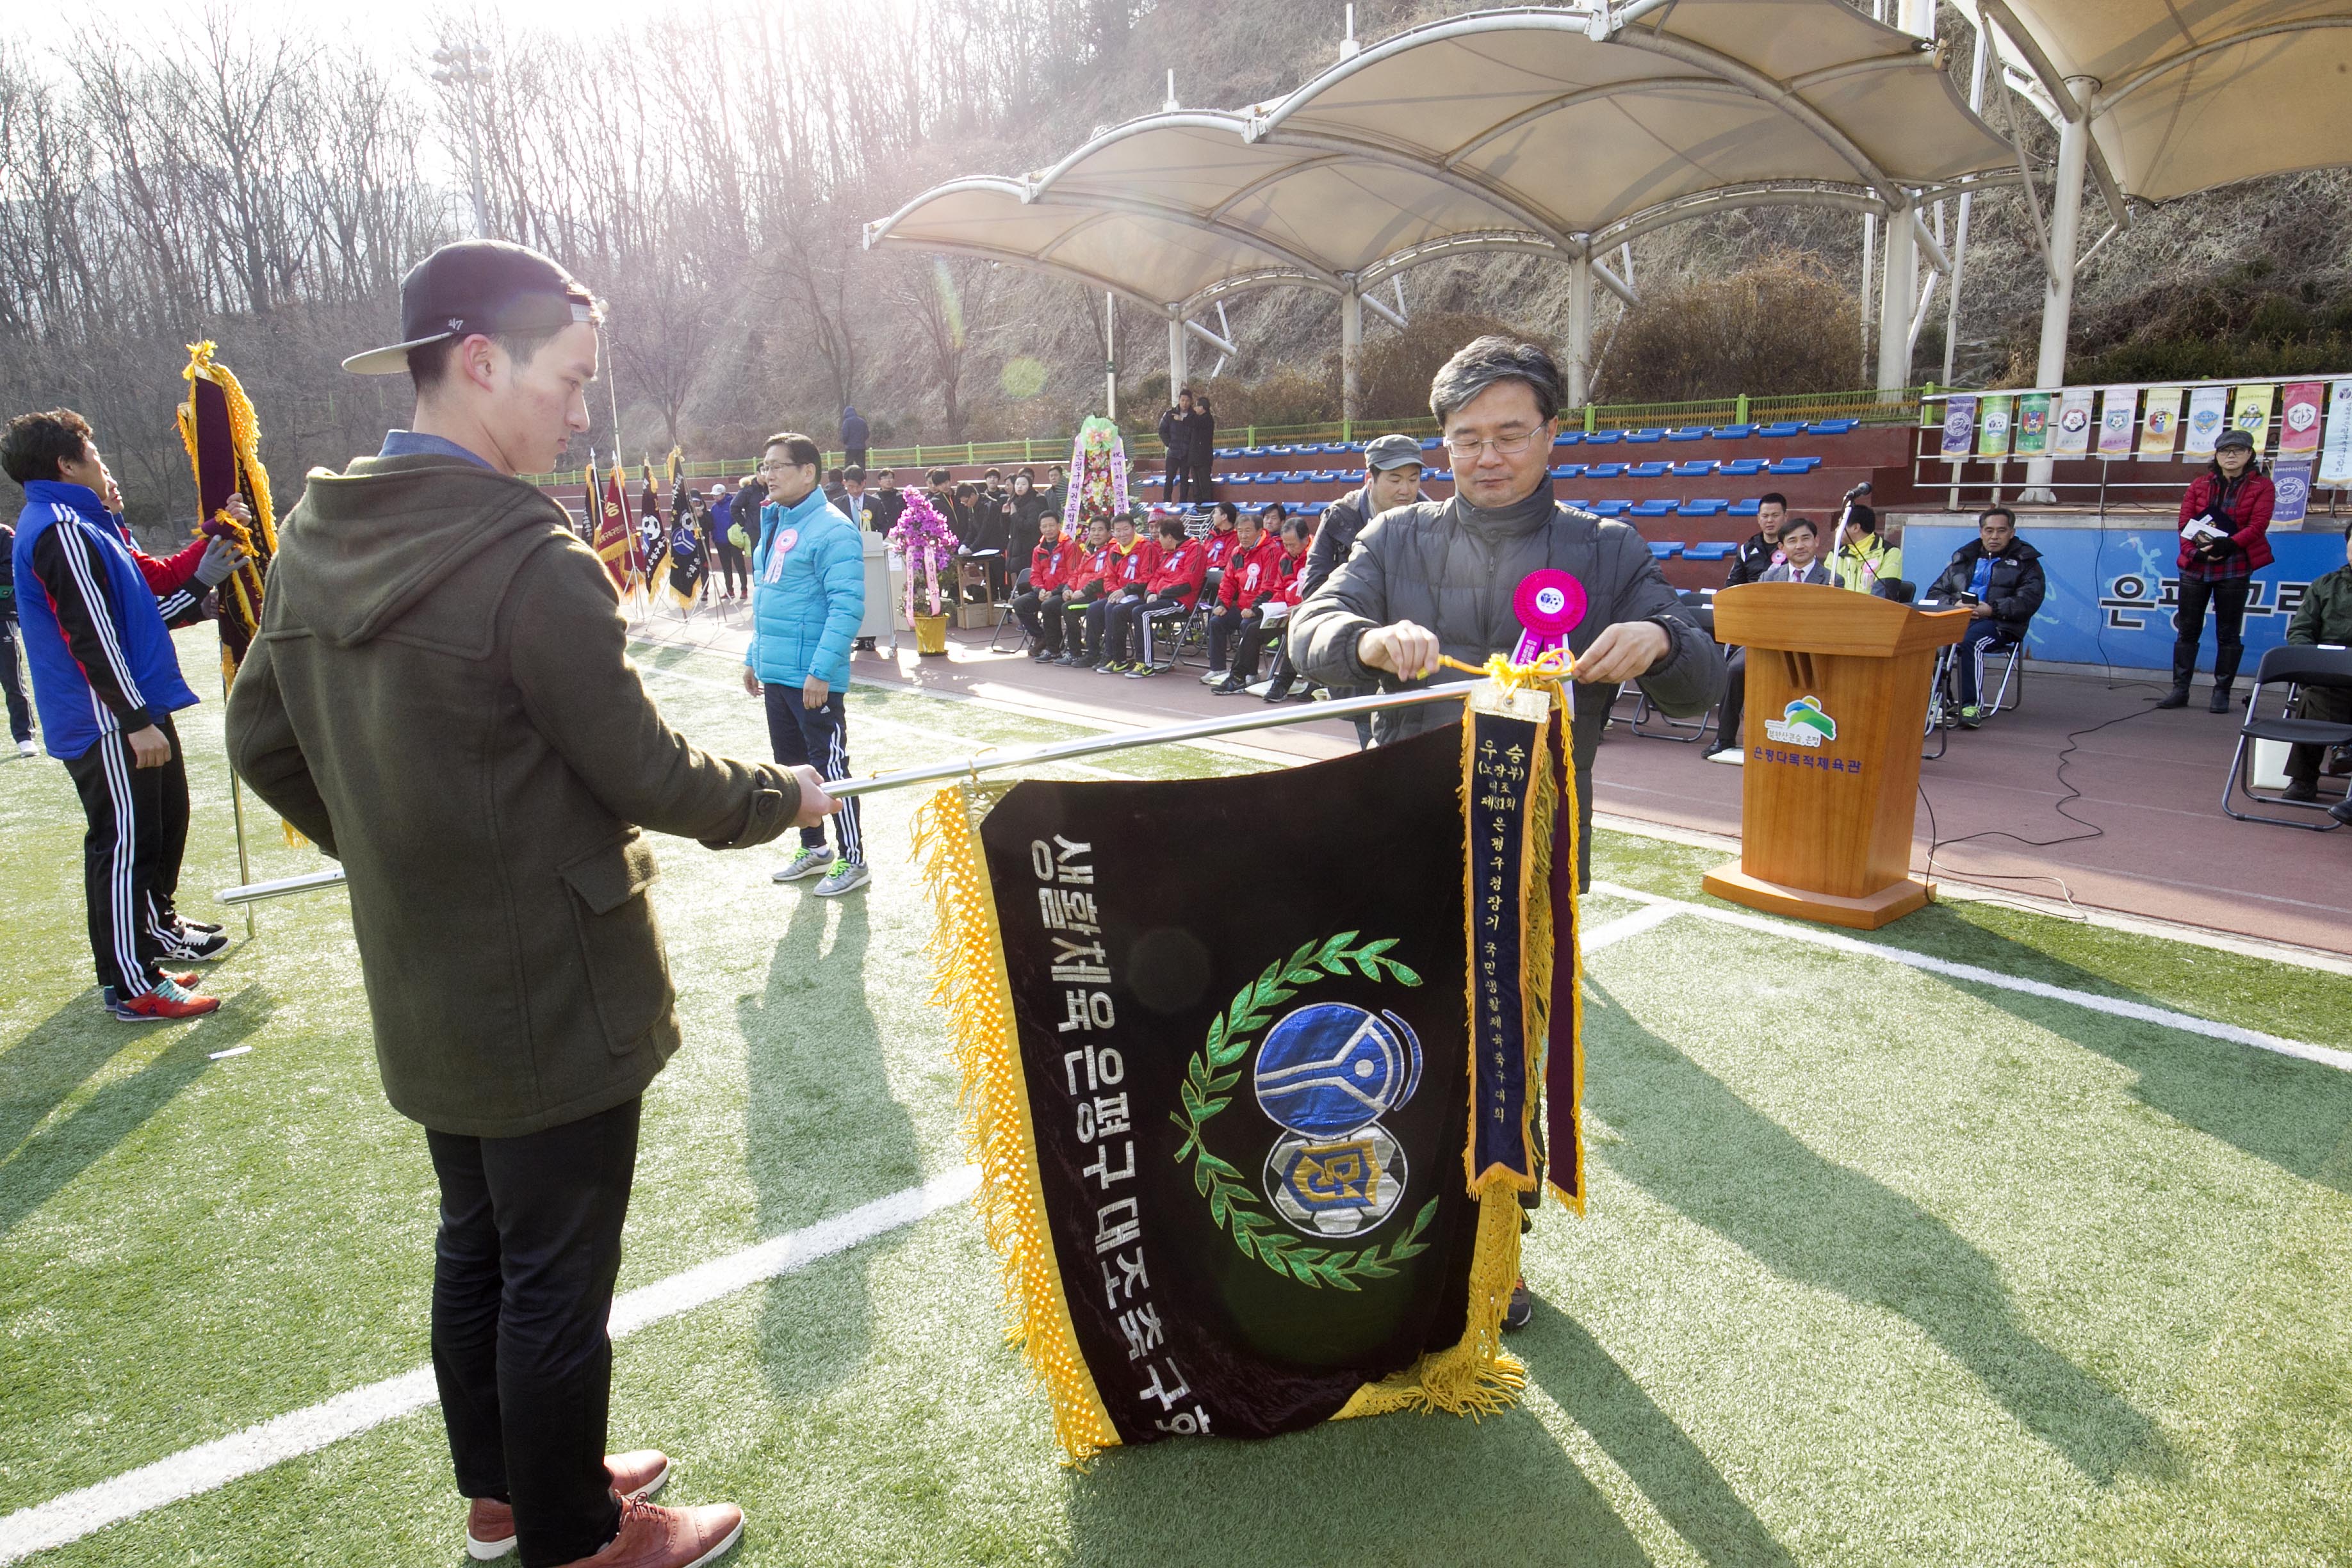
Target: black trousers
(1180, 477)
(522, 1285)
(2329, 706)
(735, 570)
(1135, 623)
(1205, 479)
(1224, 624)
(1082, 621)
(131, 857)
(2228, 598)
(818, 737)
(12, 684)
(1119, 641)
(1255, 634)
(1041, 616)
(1735, 701)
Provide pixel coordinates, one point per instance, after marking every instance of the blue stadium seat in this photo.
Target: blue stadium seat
(1702, 507)
(1710, 550)
(1781, 428)
(1695, 470)
(1606, 471)
(1604, 437)
(1567, 471)
(1734, 432)
(1647, 471)
(1227, 451)
(1664, 549)
(1437, 476)
(1834, 427)
(1653, 509)
(1311, 508)
(1610, 508)
(1255, 509)
(1255, 451)
(1581, 503)
(1748, 507)
(1326, 476)
(1796, 465)
(1431, 443)
(1745, 468)
(1697, 435)
(1645, 435)
(1568, 438)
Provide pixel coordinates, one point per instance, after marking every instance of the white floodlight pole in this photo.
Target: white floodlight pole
(2058, 287)
(1351, 345)
(1580, 331)
(1895, 295)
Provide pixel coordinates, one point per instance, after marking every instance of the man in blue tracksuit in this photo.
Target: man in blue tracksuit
(808, 595)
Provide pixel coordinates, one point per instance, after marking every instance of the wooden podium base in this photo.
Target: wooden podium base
(1890, 903)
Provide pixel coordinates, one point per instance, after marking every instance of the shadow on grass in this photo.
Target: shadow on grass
(1697, 1147)
(2282, 1109)
(61, 1053)
(823, 1133)
(1390, 1489)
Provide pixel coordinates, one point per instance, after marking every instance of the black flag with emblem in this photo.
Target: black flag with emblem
(1256, 1108)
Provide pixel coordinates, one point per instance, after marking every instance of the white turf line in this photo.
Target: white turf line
(210, 1465)
(2114, 1006)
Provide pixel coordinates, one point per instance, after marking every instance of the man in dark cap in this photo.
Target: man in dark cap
(426, 603)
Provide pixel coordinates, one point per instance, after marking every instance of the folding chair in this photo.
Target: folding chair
(2295, 665)
(1683, 731)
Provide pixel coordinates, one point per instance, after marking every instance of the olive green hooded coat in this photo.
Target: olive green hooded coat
(440, 696)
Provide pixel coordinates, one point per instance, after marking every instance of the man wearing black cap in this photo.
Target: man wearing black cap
(425, 602)
(1391, 478)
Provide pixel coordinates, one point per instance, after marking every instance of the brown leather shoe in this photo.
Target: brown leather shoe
(489, 1523)
(652, 1536)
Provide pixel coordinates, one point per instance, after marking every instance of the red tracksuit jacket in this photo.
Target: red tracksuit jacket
(1221, 548)
(1083, 579)
(1182, 572)
(1047, 563)
(1132, 570)
(1249, 580)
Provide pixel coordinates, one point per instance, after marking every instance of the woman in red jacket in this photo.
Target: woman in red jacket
(2223, 520)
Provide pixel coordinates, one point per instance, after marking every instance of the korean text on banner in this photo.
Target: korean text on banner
(1992, 430)
(2299, 419)
(2159, 427)
(1959, 426)
(2118, 414)
(2074, 423)
(2208, 407)
(2292, 476)
(2251, 413)
(2335, 451)
(2032, 424)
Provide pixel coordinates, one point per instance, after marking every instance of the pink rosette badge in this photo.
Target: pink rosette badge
(1550, 604)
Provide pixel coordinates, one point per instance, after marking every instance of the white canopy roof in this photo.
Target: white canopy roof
(1542, 130)
(2185, 96)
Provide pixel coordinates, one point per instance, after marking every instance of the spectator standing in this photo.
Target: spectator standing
(1203, 449)
(2225, 522)
(1762, 551)
(1391, 478)
(520, 999)
(1038, 605)
(853, 500)
(1173, 590)
(1800, 541)
(2323, 616)
(1022, 506)
(1998, 577)
(886, 505)
(808, 595)
(833, 491)
(12, 675)
(1176, 435)
(853, 437)
(725, 544)
(1058, 492)
(107, 680)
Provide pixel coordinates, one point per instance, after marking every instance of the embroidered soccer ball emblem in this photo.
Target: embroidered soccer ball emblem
(1327, 1074)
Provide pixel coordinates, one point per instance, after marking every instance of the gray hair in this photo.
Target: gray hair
(1481, 363)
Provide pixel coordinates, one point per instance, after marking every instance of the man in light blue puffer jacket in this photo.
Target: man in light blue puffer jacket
(808, 595)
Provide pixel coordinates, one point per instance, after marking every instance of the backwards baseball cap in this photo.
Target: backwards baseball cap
(478, 286)
(1392, 452)
(2235, 439)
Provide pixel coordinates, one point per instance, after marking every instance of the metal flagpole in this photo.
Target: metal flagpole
(237, 804)
(995, 761)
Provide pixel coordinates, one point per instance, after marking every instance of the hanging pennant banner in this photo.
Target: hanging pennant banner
(2335, 451)
(2074, 438)
(1992, 431)
(1959, 426)
(2252, 414)
(2299, 419)
(2292, 478)
(2208, 410)
(2159, 427)
(2118, 417)
(2033, 424)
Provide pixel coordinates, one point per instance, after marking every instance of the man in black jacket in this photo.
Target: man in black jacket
(1176, 435)
(1391, 478)
(1204, 450)
(1998, 577)
(1762, 549)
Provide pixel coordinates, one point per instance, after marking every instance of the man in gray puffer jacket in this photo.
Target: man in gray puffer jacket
(1438, 576)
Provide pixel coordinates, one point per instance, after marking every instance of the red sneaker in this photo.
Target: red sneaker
(489, 1522)
(652, 1536)
(167, 1003)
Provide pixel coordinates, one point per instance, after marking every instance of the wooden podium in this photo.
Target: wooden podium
(1837, 702)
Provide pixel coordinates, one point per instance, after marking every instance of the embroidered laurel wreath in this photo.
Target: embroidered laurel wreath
(1206, 1090)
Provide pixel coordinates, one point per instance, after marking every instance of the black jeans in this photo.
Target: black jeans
(522, 1284)
(2228, 598)
(131, 856)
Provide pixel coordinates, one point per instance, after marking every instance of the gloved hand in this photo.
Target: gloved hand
(220, 561)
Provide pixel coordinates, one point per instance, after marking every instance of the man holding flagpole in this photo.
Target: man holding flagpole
(428, 602)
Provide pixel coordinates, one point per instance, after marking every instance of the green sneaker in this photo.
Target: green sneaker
(848, 874)
(807, 863)
(1971, 716)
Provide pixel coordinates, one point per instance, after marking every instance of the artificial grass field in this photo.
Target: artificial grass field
(1881, 1267)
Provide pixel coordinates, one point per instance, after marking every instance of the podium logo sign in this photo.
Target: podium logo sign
(1802, 723)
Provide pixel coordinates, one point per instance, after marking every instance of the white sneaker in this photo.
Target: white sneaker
(1213, 677)
(807, 863)
(848, 874)
(1260, 689)
(1730, 754)
(26, 749)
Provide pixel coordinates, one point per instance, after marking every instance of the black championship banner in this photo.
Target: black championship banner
(1255, 1072)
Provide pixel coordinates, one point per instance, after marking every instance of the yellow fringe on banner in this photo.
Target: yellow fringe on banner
(1475, 1376)
(1571, 812)
(244, 435)
(970, 983)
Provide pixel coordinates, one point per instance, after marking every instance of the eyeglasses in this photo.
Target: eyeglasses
(1504, 446)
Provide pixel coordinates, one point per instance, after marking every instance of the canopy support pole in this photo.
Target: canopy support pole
(1960, 232)
(1580, 331)
(1351, 345)
(1179, 360)
(2058, 291)
(1896, 296)
(1110, 355)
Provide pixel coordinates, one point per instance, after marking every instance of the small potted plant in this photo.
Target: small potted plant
(923, 538)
